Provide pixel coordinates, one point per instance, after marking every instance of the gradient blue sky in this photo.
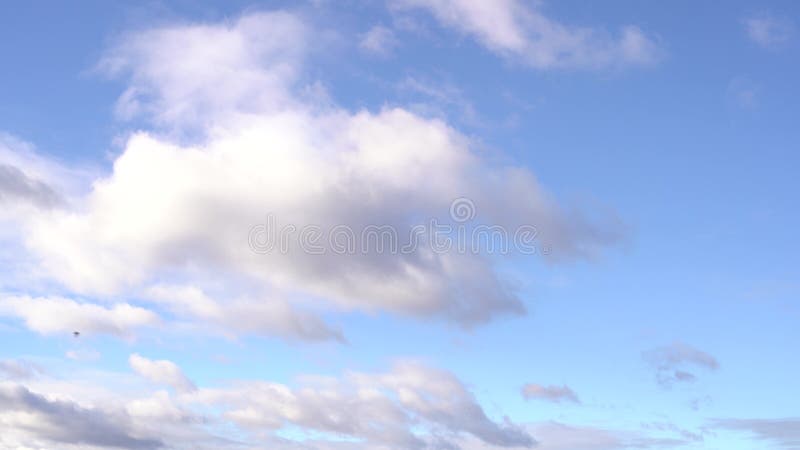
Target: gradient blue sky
(687, 154)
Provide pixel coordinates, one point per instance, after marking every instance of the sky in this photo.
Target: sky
(401, 224)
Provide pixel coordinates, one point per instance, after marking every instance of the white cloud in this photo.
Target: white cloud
(260, 148)
(523, 33)
(162, 372)
(57, 315)
(381, 409)
(768, 31)
(379, 40)
(409, 406)
(192, 74)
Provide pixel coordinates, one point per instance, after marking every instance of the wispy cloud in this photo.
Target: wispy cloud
(784, 432)
(768, 31)
(523, 33)
(672, 363)
(379, 40)
(555, 394)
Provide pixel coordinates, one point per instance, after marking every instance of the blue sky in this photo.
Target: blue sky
(652, 145)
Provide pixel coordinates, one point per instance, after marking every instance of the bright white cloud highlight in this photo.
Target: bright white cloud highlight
(162, 372)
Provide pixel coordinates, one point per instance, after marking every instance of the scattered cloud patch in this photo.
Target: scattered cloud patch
(782, 432)
(58, 315)
(768, 31)
(672, 363)
(523, 33)
(555, 394)
(379, 40)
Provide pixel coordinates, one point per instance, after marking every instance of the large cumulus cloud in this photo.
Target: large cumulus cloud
(236, 137)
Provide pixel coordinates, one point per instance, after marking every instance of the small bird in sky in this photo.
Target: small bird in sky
(76, 333)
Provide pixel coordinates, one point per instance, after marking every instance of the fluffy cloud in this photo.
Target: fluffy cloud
(523, 33)
(54, 315)
(671, 362)
(768, 31)
(259, 148)
(161, 371)
(556, 394)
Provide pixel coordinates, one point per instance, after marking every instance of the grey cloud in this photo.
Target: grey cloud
(671, 363)
(16, 369)
(671, 427)
(65, 422)
(560, 436)
(16, 186)
(556, 394)
(784, 432)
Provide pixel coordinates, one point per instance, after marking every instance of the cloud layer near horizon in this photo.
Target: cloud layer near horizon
(410, 406)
